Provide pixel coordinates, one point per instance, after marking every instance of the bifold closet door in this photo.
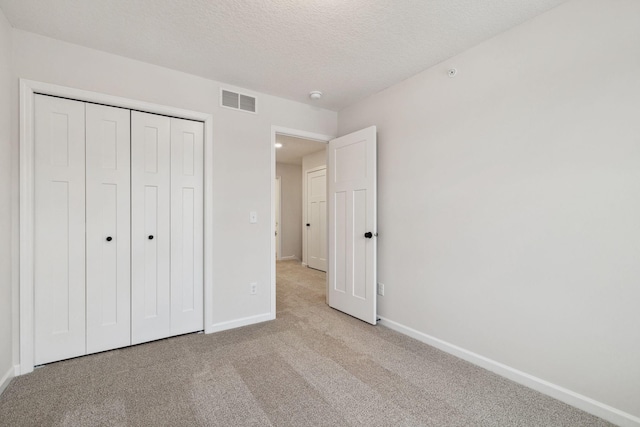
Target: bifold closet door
(187, 176)
(59, 274)
(108, 227)
(150, 227)
(167, 226)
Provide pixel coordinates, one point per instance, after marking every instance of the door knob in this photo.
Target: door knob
(368, 234)
(109, 239)
(151, 237)
(308, 225)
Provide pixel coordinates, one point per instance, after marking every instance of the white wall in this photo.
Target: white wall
(509, 199)
(6, 80)
(314, 160)
(291, 209)
(310, 161)
(242, 153)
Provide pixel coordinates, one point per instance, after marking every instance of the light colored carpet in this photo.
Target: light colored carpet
(313, 366)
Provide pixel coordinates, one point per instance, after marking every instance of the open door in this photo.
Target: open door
(352, 224)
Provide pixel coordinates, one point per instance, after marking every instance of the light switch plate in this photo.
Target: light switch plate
(253, 217)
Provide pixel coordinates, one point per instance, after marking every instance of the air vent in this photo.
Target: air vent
(238, 101)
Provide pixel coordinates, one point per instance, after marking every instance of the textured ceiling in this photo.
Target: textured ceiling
(348, 49)
(294, 149)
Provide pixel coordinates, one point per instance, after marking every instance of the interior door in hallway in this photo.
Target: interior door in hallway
(316, 223)
(352, 224)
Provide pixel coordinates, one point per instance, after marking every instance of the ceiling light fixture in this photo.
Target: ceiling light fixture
(278, 145)
(315, 95)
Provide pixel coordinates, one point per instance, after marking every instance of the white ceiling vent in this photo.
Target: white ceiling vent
(238, 101)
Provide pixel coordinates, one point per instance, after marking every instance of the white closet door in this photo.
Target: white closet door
(150, 227)
(187, 174)
(59, 229)
(108, 227)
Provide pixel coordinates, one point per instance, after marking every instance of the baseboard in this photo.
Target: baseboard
(289, 257)
(6, 378)
(245, 321)
(569, 397)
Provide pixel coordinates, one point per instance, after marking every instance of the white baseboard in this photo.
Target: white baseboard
(289, 257)
(245, 321)
(6, 378)
(569, 397)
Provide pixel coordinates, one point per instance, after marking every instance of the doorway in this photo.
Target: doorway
(351, 194)
(300, 201)
(294, 152)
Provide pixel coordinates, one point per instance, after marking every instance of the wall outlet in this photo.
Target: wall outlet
(381, 289)
(253, 288)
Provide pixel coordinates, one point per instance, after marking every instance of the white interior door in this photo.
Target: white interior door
(187, 222)
(352, 224)
(150, 227)
(59, 275)
(317, 219)
(108, 212)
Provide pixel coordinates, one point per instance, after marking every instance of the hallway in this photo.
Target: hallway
(312, 366)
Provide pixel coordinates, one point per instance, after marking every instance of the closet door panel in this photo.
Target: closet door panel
(59, 229)
(187, 175)
(108, 227)
(150, 227)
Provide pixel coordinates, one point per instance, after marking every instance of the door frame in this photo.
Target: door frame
(28, 90)
(278, 217)
(280, 130)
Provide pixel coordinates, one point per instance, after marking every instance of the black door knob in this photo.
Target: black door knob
(151, 237)
(368, 234)
(308, 225)
(109, 239)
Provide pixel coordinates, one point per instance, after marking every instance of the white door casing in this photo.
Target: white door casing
(150, 227)
(278, 218)
(59, 227)
(352, 214)
(316, 220)
(108, 227)
(187, 172)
